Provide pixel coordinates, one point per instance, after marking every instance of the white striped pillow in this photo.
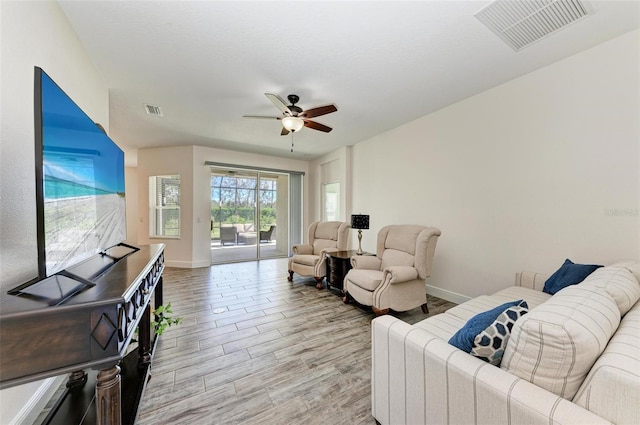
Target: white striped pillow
(557, 343)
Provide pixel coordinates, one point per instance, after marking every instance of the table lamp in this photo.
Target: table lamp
(359, 221)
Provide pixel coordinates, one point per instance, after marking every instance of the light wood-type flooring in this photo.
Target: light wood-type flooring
(256, 349)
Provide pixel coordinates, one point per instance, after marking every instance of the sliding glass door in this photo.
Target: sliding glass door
(249, 215)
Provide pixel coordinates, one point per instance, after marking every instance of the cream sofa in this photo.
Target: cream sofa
(574, 358)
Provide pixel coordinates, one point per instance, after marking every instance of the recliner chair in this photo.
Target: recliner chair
(396, 277)
(309, 259)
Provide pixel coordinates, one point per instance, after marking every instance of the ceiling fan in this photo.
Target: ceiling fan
(293, 117)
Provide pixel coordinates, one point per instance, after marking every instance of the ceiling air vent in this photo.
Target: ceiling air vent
(521, 22)
(153, 110)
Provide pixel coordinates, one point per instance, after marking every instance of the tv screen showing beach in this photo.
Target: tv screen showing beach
(83, 183)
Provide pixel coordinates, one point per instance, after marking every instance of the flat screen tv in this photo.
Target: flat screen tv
(79, 182)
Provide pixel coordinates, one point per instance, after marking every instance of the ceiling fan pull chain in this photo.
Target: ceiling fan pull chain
(292, 141)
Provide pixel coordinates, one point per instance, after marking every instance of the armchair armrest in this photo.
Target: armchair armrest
(398, 274)
(419, 378)
(302, 249)
(368, 262)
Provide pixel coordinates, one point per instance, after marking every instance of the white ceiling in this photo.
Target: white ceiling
(382, 63)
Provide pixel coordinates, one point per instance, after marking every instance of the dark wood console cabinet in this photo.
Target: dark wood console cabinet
(41, 337)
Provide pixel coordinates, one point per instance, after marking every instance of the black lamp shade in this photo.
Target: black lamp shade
(359, 221)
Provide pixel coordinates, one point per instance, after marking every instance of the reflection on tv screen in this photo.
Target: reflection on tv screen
(83, 183)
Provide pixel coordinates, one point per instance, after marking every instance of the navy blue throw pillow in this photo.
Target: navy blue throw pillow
(568, 274)
(463, 339)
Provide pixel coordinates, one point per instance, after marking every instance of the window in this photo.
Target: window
(331, 202)
(164, 206)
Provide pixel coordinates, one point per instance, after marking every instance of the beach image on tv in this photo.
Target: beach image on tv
(83, 178)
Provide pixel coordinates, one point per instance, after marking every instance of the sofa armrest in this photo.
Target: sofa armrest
(368, 262)
(399, 274)
(531, 280)
(302, 249)
(420, 378)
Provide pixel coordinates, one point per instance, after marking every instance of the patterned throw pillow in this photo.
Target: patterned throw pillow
(489, 344)
(463, 339)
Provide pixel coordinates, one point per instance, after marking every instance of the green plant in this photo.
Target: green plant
(162, 318)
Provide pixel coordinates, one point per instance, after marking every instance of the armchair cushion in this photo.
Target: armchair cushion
(328, 230)
(307, 260)
(394, 257)
(366, 278)
(321, 244)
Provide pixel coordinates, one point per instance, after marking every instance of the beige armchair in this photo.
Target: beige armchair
(309, 259)
(396, 277)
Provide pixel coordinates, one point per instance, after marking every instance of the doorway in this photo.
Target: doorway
(249, 215)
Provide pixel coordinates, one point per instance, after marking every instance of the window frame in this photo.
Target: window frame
(158, 205)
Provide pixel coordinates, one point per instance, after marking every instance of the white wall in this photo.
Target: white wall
(33, 34)
(193, 248)
(343, 157)
(522, 176)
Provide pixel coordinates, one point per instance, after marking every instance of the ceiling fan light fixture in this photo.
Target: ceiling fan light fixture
(293, 123)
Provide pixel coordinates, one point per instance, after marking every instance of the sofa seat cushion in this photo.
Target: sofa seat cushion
(446, 324)
(441, 325)
(468, 309)
(555, 345)
(366, 279)
(533, 297)
(612, 387)
(306, 260)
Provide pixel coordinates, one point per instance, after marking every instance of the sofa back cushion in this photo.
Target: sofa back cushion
(557, 343)
(612, 387)
(619, 282)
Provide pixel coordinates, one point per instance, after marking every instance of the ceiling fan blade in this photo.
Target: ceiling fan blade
(284, 132)
(262, 117)
(320, 110)
(317, 126)
(277, 100)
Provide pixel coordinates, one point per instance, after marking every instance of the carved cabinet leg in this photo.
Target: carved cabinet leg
(108, 397)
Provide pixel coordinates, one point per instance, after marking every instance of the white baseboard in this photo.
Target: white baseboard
(187, 264)
(33, 407)
(450, 296)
